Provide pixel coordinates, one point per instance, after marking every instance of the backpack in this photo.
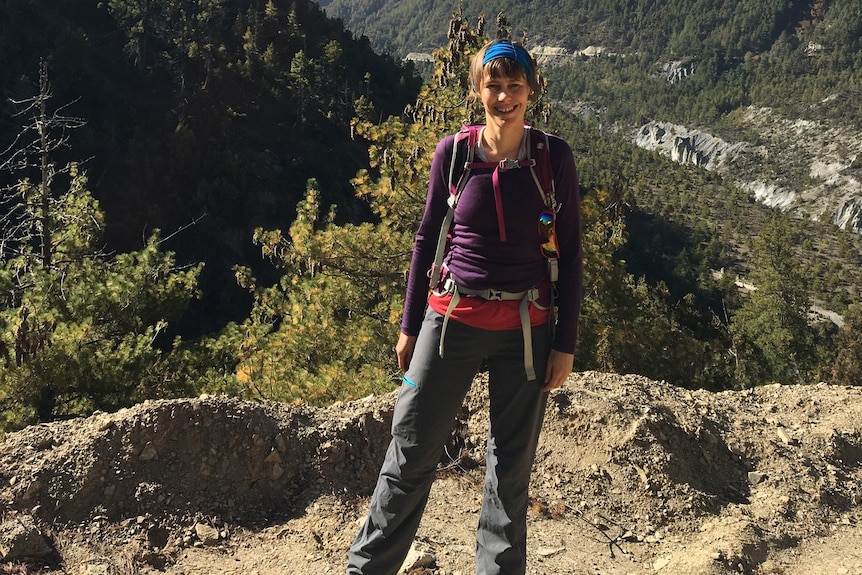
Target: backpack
(463, 155)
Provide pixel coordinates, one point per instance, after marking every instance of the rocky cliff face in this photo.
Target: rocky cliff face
(688, 146)
(807, 167)
(847, 215)
(678, 70)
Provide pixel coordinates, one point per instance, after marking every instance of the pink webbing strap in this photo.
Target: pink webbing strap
(498, 201)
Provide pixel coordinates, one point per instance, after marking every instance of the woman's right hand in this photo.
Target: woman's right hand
(404, 350)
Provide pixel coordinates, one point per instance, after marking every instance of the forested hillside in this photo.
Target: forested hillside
(202, 119)
(141, 143)
(694, 63)
(660, 29)
(765, 93)
(220, 197)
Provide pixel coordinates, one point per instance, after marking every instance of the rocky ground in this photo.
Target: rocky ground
(632, 477)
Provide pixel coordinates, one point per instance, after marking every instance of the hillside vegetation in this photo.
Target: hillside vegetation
(659, 28)
(274, 169)
(200, 119)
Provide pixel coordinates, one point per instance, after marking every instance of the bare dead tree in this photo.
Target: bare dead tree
(26, 202)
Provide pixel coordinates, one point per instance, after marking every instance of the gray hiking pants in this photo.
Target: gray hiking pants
(429, 399)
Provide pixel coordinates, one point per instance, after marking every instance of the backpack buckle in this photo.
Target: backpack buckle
(507, 164)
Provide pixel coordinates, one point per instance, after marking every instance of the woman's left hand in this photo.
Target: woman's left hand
(559, 367)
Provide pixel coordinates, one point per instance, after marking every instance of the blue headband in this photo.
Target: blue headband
(505, 49)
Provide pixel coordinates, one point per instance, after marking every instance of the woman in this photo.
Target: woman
(493, 303)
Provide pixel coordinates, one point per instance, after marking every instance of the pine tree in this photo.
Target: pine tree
(772, 338)
(79, 327)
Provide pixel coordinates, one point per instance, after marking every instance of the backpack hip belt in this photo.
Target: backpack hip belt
(525, 297)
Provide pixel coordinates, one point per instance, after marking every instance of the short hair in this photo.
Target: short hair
(504, 65)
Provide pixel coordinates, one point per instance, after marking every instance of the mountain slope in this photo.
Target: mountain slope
(775, 78)
(660, 27)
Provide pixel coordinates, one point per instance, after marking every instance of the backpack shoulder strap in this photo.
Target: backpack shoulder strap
(543, 175)
(463, 153)
(543, 172)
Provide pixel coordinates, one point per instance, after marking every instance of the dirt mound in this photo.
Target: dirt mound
(632, 476)
(212, 455)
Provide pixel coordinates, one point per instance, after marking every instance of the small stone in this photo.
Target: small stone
(549, 551)
(276, 471)
(95, 569)
(783, 436)
(416, 558)
(273, 457)
(21, 540)
(33, 489)
(149, 453)
(661, 563)
(755, 477)
(207, 534)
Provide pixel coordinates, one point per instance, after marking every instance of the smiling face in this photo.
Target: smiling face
(504, 78)
(505, 98)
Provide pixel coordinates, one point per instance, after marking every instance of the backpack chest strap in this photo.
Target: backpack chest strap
(504, 164)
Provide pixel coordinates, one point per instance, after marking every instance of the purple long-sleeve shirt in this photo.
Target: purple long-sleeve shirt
(479, 259)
